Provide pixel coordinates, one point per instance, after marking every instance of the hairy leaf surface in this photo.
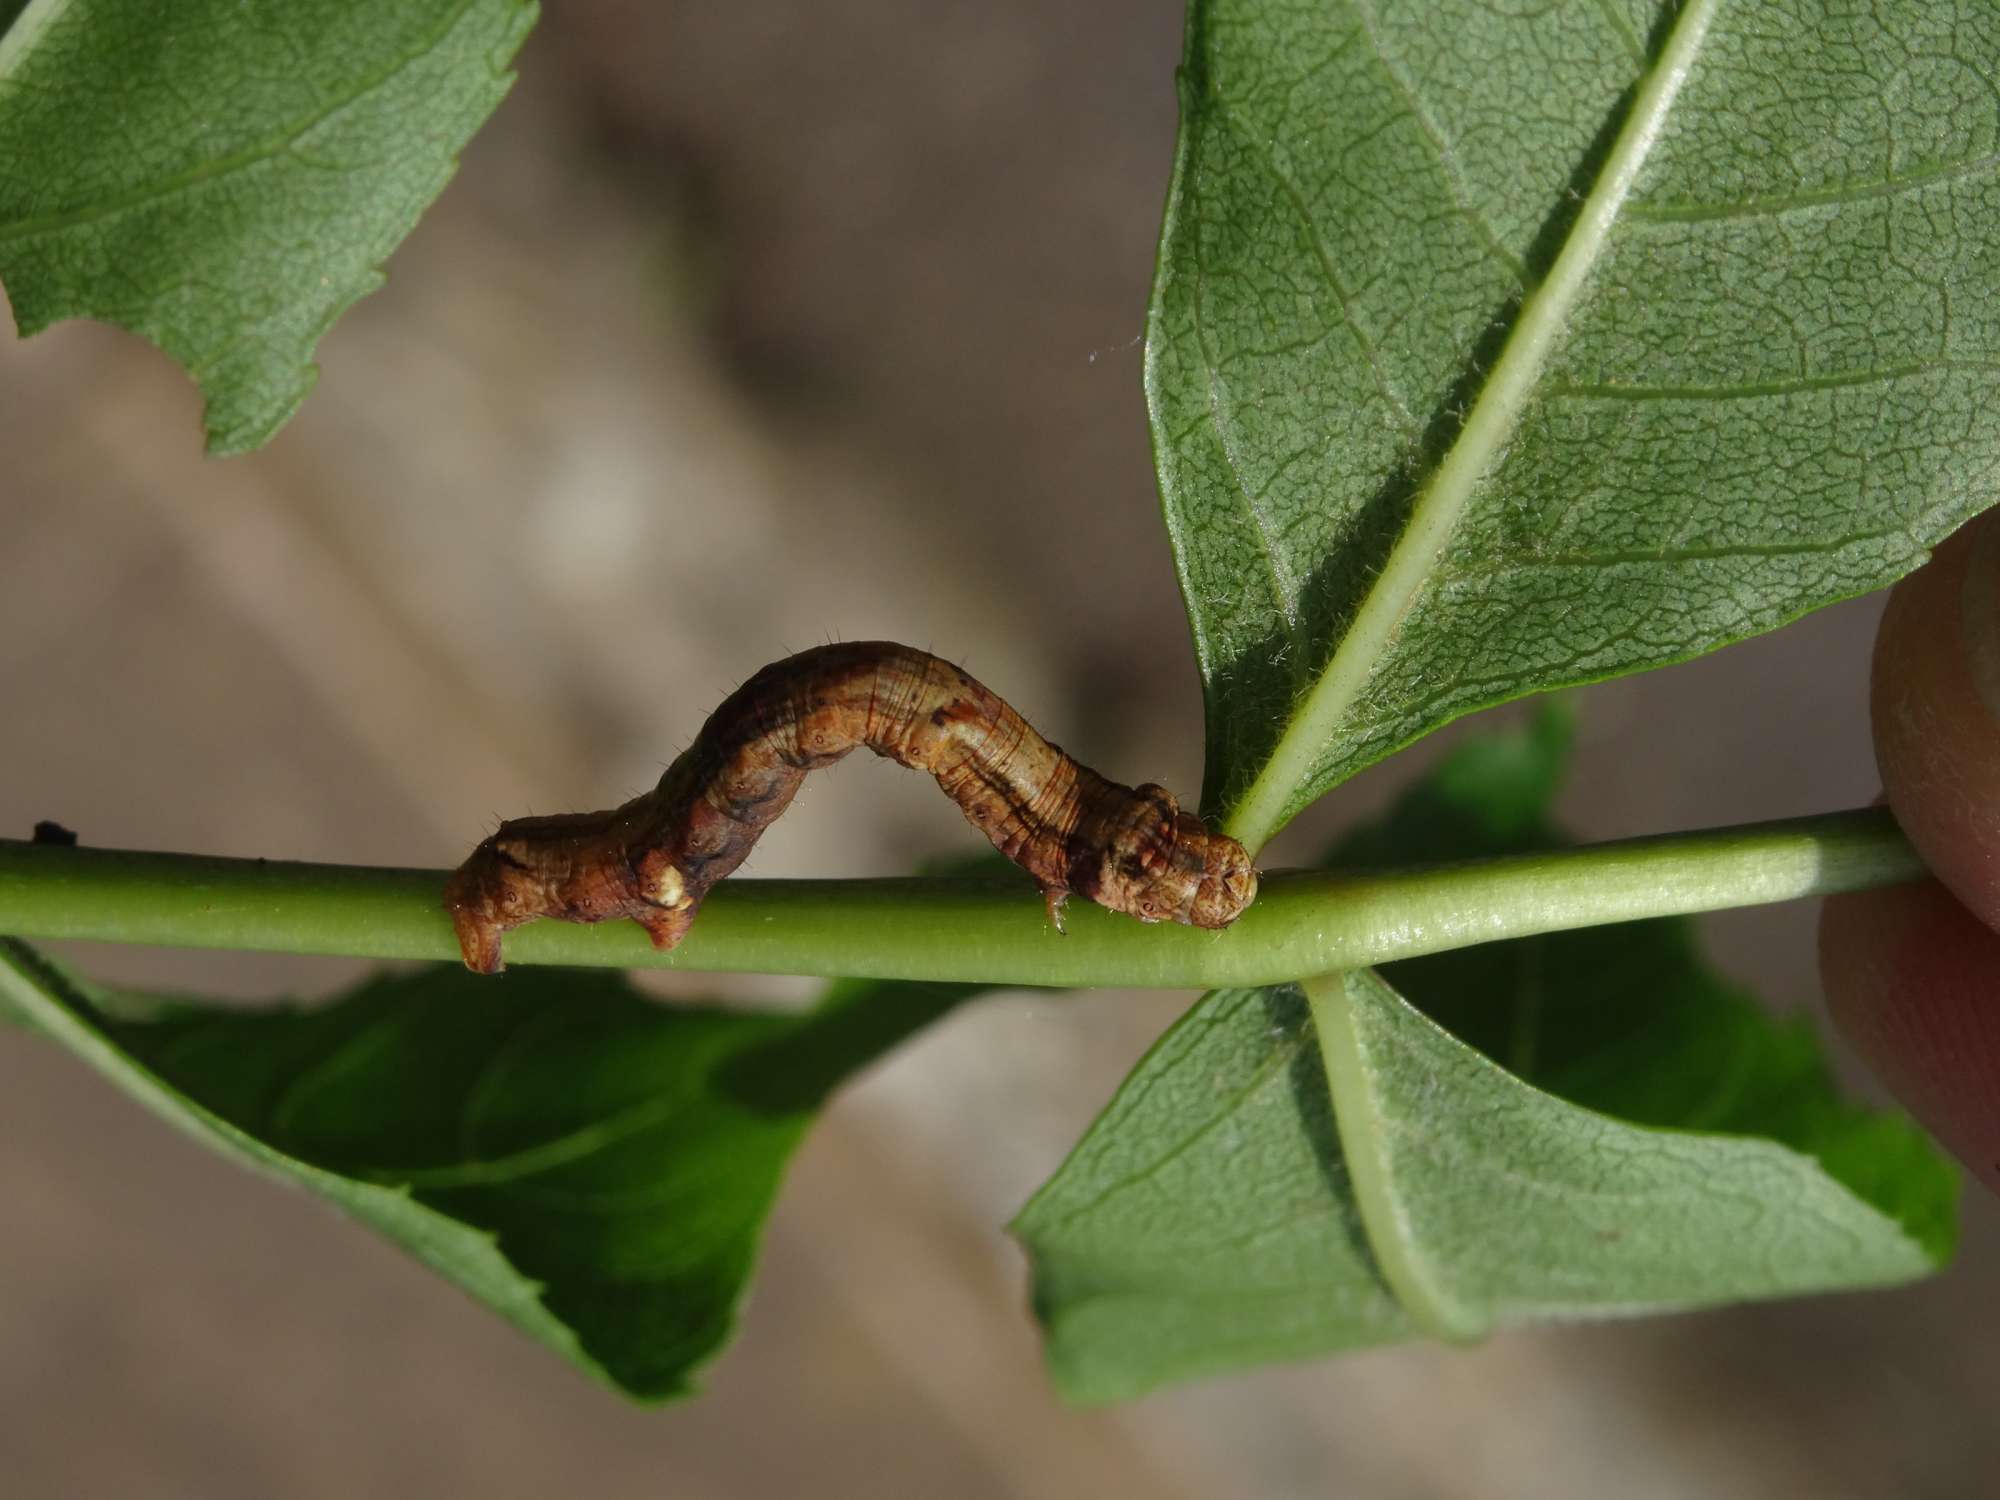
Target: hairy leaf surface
(595, 1168)
(223, 177)
(1614, 1129)
(1500, 347)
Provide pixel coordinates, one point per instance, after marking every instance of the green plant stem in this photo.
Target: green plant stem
(988, 931)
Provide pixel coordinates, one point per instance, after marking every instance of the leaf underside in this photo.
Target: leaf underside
(1613, 1129)
(593, 1167)
(224, 177)
(1768, 392)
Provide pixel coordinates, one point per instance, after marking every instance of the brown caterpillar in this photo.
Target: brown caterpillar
(654, 859)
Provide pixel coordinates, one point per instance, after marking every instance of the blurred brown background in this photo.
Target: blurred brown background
(743, 328)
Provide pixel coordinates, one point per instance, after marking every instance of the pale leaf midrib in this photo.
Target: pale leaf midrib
(1266, 804)
(1392, 1239)
(18, 40)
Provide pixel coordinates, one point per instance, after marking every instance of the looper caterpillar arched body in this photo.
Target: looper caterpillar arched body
(654, 859)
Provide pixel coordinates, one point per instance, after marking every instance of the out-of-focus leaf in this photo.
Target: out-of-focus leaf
(223, 177)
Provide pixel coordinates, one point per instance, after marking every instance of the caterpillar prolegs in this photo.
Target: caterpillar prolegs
(654, 859)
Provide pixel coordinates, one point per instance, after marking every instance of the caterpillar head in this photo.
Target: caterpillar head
(1228, 880)
(1160, 864)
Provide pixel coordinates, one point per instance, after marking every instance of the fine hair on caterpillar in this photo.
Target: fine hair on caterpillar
(654, 859)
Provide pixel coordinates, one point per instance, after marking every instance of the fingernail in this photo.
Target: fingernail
(1979, 614)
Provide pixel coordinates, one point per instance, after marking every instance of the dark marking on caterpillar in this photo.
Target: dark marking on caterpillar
(1131, 849)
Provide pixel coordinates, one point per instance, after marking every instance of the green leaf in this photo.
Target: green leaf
(594, 1167)
(1630, 1021)
(1206, 1221)
(1659, 1142)
(1490, 796)
(1489, 1201)
(1698, 1053)
(224, 177)
(1497, 348)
